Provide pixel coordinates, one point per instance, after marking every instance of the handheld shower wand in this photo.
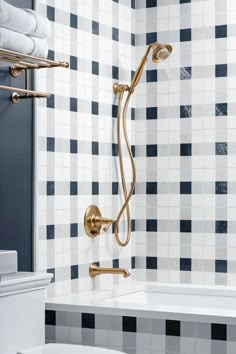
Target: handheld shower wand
(159, 54)
(93, 219)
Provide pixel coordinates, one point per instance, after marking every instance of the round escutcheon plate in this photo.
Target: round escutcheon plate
(91, 213)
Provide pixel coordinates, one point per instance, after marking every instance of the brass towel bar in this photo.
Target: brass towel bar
(23, 63)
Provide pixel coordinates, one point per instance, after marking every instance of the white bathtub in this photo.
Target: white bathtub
(153, 300)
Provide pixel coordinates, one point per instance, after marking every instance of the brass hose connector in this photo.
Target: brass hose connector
(120, 88)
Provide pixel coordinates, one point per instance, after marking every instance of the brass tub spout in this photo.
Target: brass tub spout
(94, 270)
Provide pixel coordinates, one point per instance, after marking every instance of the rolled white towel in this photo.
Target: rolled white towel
(25, 21)
(40, 47)
(43, 27)
(24, 44)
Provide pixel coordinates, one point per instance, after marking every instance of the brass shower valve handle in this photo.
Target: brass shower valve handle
(93, 221)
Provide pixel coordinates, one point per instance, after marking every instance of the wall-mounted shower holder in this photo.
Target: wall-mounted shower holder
(24, 63)
(93, 221)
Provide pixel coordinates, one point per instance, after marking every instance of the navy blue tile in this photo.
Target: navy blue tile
(115, 34)
(173, 328)
(151, 225)
(88, 320)
(132, 39)
(151, 262)
(133, 225)
(115, 263)
(114, 149)
(132, 74)
(132, 113)
(151, 112)
(221, 109)
(51, 101)
(73, 63)
(151, 187)
(114, 111)
(115, 188)
(220, 266)
(133, 150)
(151, 3)
(221, 187)
(95, 108)
(218, 331)
(221, 149)
(133, 262)
(185, 187)
(95, 188)
(95, 68)
(221, 31)
(50, 188)
(221, 227)
(151, 75)
(51, 54)
(51, 144)
(186, 73)
(73, 146)
(186, 111)
(128, 324)
(73, 104)
(95, 27)
(115, 72)
(50, 232)
(52, 271)
(50, 317)
(151, 37)
(151, 150)
(74, 230)
(185, 35)
(185, 264)
(95, 148)
(73, 21)
(184, 1)
(133, 4)
(51, 13)
(185, 149)
(221, 70)
(74, 272)
(73, 188)
(185, 226)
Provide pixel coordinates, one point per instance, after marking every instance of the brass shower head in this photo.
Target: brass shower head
(160, 53)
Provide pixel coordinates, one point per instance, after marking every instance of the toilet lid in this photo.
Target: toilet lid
(67, 349)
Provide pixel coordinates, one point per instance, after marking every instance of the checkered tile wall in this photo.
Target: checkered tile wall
(185, 143)
(76, 143)
(183, 136)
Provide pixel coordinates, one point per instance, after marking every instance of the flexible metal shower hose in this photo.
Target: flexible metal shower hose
(127, 196)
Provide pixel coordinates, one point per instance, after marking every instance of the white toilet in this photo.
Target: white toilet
(22, 318)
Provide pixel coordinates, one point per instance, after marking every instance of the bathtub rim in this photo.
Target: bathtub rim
(92, 302)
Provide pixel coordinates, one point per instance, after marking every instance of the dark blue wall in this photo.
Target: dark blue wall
(16, 166)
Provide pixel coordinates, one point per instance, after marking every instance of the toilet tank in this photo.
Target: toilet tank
(22, 311)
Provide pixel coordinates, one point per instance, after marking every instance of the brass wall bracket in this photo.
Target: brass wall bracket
(120, 88)
(93, 221)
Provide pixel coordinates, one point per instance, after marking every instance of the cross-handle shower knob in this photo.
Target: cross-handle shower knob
(93, 221)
